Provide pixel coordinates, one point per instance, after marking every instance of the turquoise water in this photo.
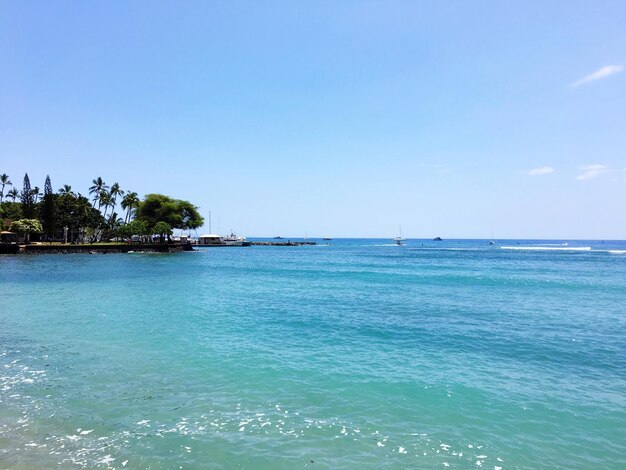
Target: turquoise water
(360, 354)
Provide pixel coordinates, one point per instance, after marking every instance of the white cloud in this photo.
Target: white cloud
(598, 74)
(591, 171)
(542, 170)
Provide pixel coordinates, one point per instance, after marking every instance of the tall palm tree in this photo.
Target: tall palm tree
(96, 189)
(4, 181)
(129, 203)
(115, 192)
(104, 199)
(13, 194)
(66, 190)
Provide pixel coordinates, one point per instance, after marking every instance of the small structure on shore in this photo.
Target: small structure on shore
(8, 237)
(209, 239)
(9, 242)
(217, 240)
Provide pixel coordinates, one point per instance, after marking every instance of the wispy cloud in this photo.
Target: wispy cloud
(598, 74)
(542, 170)
(591, 171)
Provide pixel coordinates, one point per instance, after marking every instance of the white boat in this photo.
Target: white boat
(234, 240)
(216, 240)
(399, 239)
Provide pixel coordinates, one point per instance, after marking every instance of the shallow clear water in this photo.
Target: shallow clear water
(359, 354)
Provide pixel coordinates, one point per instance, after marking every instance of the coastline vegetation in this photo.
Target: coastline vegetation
(66, 216)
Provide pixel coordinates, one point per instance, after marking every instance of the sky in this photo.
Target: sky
(344, 119)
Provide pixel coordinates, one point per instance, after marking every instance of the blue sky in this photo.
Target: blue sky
(455, 119)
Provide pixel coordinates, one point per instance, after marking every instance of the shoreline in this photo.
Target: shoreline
(43, 249)
(99, 249)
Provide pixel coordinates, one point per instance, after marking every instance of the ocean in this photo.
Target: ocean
(351, 354)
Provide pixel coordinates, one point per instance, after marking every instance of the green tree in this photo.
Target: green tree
(112, 225)
(104, 199)
(36, 194)
(26, 196)
(49, 210)
(76, 213)
(176, 213)
(124, 231)
(129, 203)
(27, 227)
(96, 189)
(162, 228)
(13, 194)
(66, 190)
(135, 227)
(115, 192)
(11, 211)
(4, 181)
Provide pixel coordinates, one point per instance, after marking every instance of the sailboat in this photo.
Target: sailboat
(399, 239)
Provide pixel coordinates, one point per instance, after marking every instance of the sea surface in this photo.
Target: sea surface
(349, 354)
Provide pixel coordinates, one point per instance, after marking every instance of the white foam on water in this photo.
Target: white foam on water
(547, 248)
(617, 252)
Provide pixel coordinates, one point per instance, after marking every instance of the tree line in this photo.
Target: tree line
(68, 216)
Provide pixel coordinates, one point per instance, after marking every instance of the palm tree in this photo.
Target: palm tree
(36, 194)
(104, 199)
(13, 194)
(115, 221)
(114, 193)
(4, 181)
(96, 189)
(130, 202)
(66, 190)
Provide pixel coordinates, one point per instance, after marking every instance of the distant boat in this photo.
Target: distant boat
(399, 239)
